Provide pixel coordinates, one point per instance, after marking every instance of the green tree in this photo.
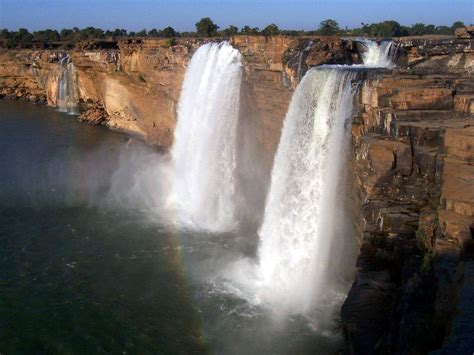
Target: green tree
(328, 27)
(246, 30)
(444, 30)
(142, 33)
(90, 33)
(271, 30)
(168, 32)
(418, 29)
(4, 32)
(457, 24)
(47, 36)
(67, 35)
(206, 27)
(153, 33)
(230, 31)
(430, 29)
(22, 38)
(386, 29)
(119, 32)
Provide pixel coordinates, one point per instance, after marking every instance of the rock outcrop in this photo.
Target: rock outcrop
(414, 149)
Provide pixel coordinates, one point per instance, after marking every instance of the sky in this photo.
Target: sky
(183, 14)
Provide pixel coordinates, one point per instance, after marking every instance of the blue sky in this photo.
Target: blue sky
(183, 14)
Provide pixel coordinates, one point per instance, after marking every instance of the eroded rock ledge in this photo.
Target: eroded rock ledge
(413, 160)
(414, 174)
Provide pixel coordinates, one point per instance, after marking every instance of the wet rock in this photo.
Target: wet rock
(94, 116)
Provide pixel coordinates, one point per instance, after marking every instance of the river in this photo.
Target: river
(86, 271)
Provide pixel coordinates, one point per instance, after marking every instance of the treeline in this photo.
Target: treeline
(207, 28)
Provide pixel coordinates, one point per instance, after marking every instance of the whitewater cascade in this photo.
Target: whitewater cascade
(303, 205)
(305, 216)
(68, 96)
(204, 149)
(378, 55)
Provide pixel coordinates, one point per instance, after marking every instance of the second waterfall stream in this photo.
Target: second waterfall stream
(304, 210)
(307, 230)
(204, 151)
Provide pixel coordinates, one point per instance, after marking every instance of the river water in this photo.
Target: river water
(82, 272)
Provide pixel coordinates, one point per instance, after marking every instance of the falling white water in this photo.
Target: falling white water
(378, 55)
(204, 149)
(306, 220)
(302, 213)
(68, 96)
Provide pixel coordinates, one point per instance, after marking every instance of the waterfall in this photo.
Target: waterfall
(304, 206)
(378, 55)
(204, 149)
(302, 235)
(68, 96)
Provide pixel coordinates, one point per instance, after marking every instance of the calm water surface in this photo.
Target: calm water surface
(82, 274)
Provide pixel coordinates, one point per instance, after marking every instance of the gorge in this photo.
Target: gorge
(407, 190)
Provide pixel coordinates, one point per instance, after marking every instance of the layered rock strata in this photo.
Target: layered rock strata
(138, 84)
(414, 175)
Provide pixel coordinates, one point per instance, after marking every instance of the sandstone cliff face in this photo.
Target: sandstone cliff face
(413, 159)
(138, 84)
(273, 68)
(413, 154)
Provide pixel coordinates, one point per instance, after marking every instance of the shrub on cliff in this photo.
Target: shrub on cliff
(206, 27)
(170, 42)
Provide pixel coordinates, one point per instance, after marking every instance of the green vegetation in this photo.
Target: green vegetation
(246, 30)
(271, 30)
(328, 27)
(207, 28)
(230, 31)
(170, 42)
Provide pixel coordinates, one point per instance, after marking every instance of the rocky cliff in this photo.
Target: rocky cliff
(414, 175)
(413, 142)
(138, 83)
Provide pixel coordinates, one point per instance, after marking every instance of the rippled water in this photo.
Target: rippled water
(81, 273)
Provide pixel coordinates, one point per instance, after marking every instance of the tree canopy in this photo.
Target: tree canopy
(67, 37)
(206, 27)
(328, 27)
(271, 30)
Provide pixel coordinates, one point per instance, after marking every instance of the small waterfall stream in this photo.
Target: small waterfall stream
(204, 150)
(378, 55)
(68, 95)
